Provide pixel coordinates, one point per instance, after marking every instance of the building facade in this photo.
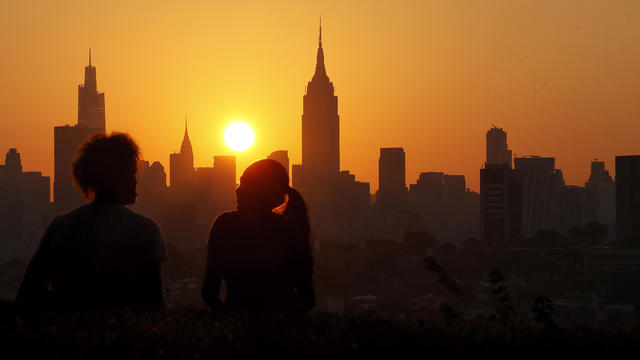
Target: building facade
(501, 206)
(392, 186)
(181, 164)
(90, 101)
(498, 152)
(320, 133)
(25, 208)
(69, 138)
(542, 187)
(281, 156)
(601, 196)
(628, 200)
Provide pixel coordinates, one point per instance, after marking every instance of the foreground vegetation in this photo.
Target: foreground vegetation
(194, 334)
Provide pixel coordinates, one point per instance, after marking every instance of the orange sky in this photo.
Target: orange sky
(562, 77)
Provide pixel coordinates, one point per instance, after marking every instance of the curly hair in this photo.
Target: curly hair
(104, 161)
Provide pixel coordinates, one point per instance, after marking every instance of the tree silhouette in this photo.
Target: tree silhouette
(503, 309)
(443, 277)
(449, 283)
(543, 312)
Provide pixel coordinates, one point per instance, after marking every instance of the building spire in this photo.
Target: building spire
(186, 143)
(89, 57)
(320, 37)
(186, 133)
(321, 72)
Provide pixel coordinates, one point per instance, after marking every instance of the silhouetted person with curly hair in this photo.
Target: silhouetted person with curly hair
(262, 250)
(100, 254)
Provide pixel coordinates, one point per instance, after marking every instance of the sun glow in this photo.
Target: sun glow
(239, 136)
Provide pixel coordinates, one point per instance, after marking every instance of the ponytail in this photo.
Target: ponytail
(296, 213)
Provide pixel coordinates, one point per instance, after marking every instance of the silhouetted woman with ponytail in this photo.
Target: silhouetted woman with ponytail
(262, 250)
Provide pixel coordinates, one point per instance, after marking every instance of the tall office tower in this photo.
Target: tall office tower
(501, 206)
(392, 185)
(281, 156)
(181, 164)
(12, 162)
(90, 101)
(573, 208)
(628, 199)
(320, 129)
(25, 208)
(225, 167)
(297, 177)
(497, 149)
(68, 139)
(500, 193)
(601, 196)
(541, 191)
(391, 170)
(29, 188)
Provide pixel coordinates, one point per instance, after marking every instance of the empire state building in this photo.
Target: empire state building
(320, 127)
(334, 197)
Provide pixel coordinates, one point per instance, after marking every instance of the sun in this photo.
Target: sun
(239, 136)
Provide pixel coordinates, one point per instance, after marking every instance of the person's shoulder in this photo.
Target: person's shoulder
(71, 216)
(226, 217)
(75, 212)
(223, 222)
(62, 226)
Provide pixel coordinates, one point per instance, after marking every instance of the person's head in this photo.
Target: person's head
(263, 186)
(105, 168)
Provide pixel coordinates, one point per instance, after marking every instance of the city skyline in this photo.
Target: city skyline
(156, 127)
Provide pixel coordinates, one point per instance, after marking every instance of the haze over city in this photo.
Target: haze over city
(561, 77)
(213, 179)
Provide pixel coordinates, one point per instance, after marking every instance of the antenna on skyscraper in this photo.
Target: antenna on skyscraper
(320, 36)
(89, 57)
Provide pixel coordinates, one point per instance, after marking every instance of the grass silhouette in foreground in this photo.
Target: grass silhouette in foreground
(194, 334)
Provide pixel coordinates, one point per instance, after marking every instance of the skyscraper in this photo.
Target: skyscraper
(498, 152)
(392, 185)
(28, 187)
(572, 203)
(500, 193)
(391, 169)
(68, 139)
(501, 206)
(601, 196)
(542, 185)
(320, 127)
(181, 164)
(628, 199)
(225, 166)
(333, 196)
(90, 101)
(25, 208)
(281, 156)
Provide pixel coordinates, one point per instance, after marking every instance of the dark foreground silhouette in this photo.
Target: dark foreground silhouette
(101, 254)
(262, 250)
(200, 334)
